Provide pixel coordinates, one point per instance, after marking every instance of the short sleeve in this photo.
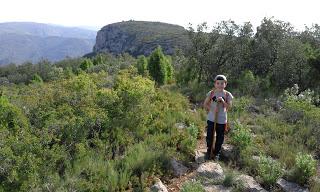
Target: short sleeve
(230, 97)
(208, 94)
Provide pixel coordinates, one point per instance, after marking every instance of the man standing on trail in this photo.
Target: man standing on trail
(217, 103)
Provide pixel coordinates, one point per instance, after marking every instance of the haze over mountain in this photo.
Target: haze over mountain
(29, 41)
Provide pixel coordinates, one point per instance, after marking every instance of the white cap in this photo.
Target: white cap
(220, 77)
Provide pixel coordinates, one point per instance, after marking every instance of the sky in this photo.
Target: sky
(98, 13)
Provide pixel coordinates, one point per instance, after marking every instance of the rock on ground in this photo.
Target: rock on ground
(290, 187)
(180, 125)
(250, 184)
(228, 151)
(158, 187)
(200, 155)
(178, 168)
(211, 169)
(217, 188)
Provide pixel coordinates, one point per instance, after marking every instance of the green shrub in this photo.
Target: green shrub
(304, 168)
(239, 106)
(91, 172)
(159, 67)
(229, 179)
(306, 119)
(36, 79)
(142, 65)
(294, 94)
(142, 160)
(11, 117)
(269, 171)
(189, 141)
(240, 136)
(193, 131)
(192, 186)
(92, 131)
(118, 179)
(86, 64)
(247, 162)
(248, 83)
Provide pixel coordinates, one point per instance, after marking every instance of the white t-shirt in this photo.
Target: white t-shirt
(222, 114)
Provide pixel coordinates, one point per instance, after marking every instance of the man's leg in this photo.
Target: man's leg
(209, 138)
(219, 138)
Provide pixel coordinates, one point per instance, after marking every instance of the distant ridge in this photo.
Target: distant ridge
(29, 41)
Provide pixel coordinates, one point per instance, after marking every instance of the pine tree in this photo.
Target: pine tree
(142, 65)
(157, 66)
(99, 59)
(36, 79)
(170, 71)
(86, 64)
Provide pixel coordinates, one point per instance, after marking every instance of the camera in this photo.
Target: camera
(214, 98)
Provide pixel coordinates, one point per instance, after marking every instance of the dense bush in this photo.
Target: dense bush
(247, 83)
(142, 65)
(194, 186)
(269, 171)
(304, 168)
(240, 136)
(160, 67)
(92, 132)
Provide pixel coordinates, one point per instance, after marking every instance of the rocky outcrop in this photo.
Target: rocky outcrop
(140, 38)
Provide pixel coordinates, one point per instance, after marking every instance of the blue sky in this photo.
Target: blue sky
(97, 13)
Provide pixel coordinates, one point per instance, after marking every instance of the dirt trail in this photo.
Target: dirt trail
(175, 184)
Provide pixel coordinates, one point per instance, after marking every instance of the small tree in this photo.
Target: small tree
(160, 67)
(142, 65)
(99, 59)
(36, 79)
(86, 64)
(170, 71)
(247, 83)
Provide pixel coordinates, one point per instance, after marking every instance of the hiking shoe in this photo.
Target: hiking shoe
(206, 157)
(217, 157)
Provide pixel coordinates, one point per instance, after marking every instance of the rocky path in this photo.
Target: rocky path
(176, 183)
(211, 175)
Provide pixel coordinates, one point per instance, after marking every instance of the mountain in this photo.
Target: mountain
(45, 30)
(27, 41)
(140, 37)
